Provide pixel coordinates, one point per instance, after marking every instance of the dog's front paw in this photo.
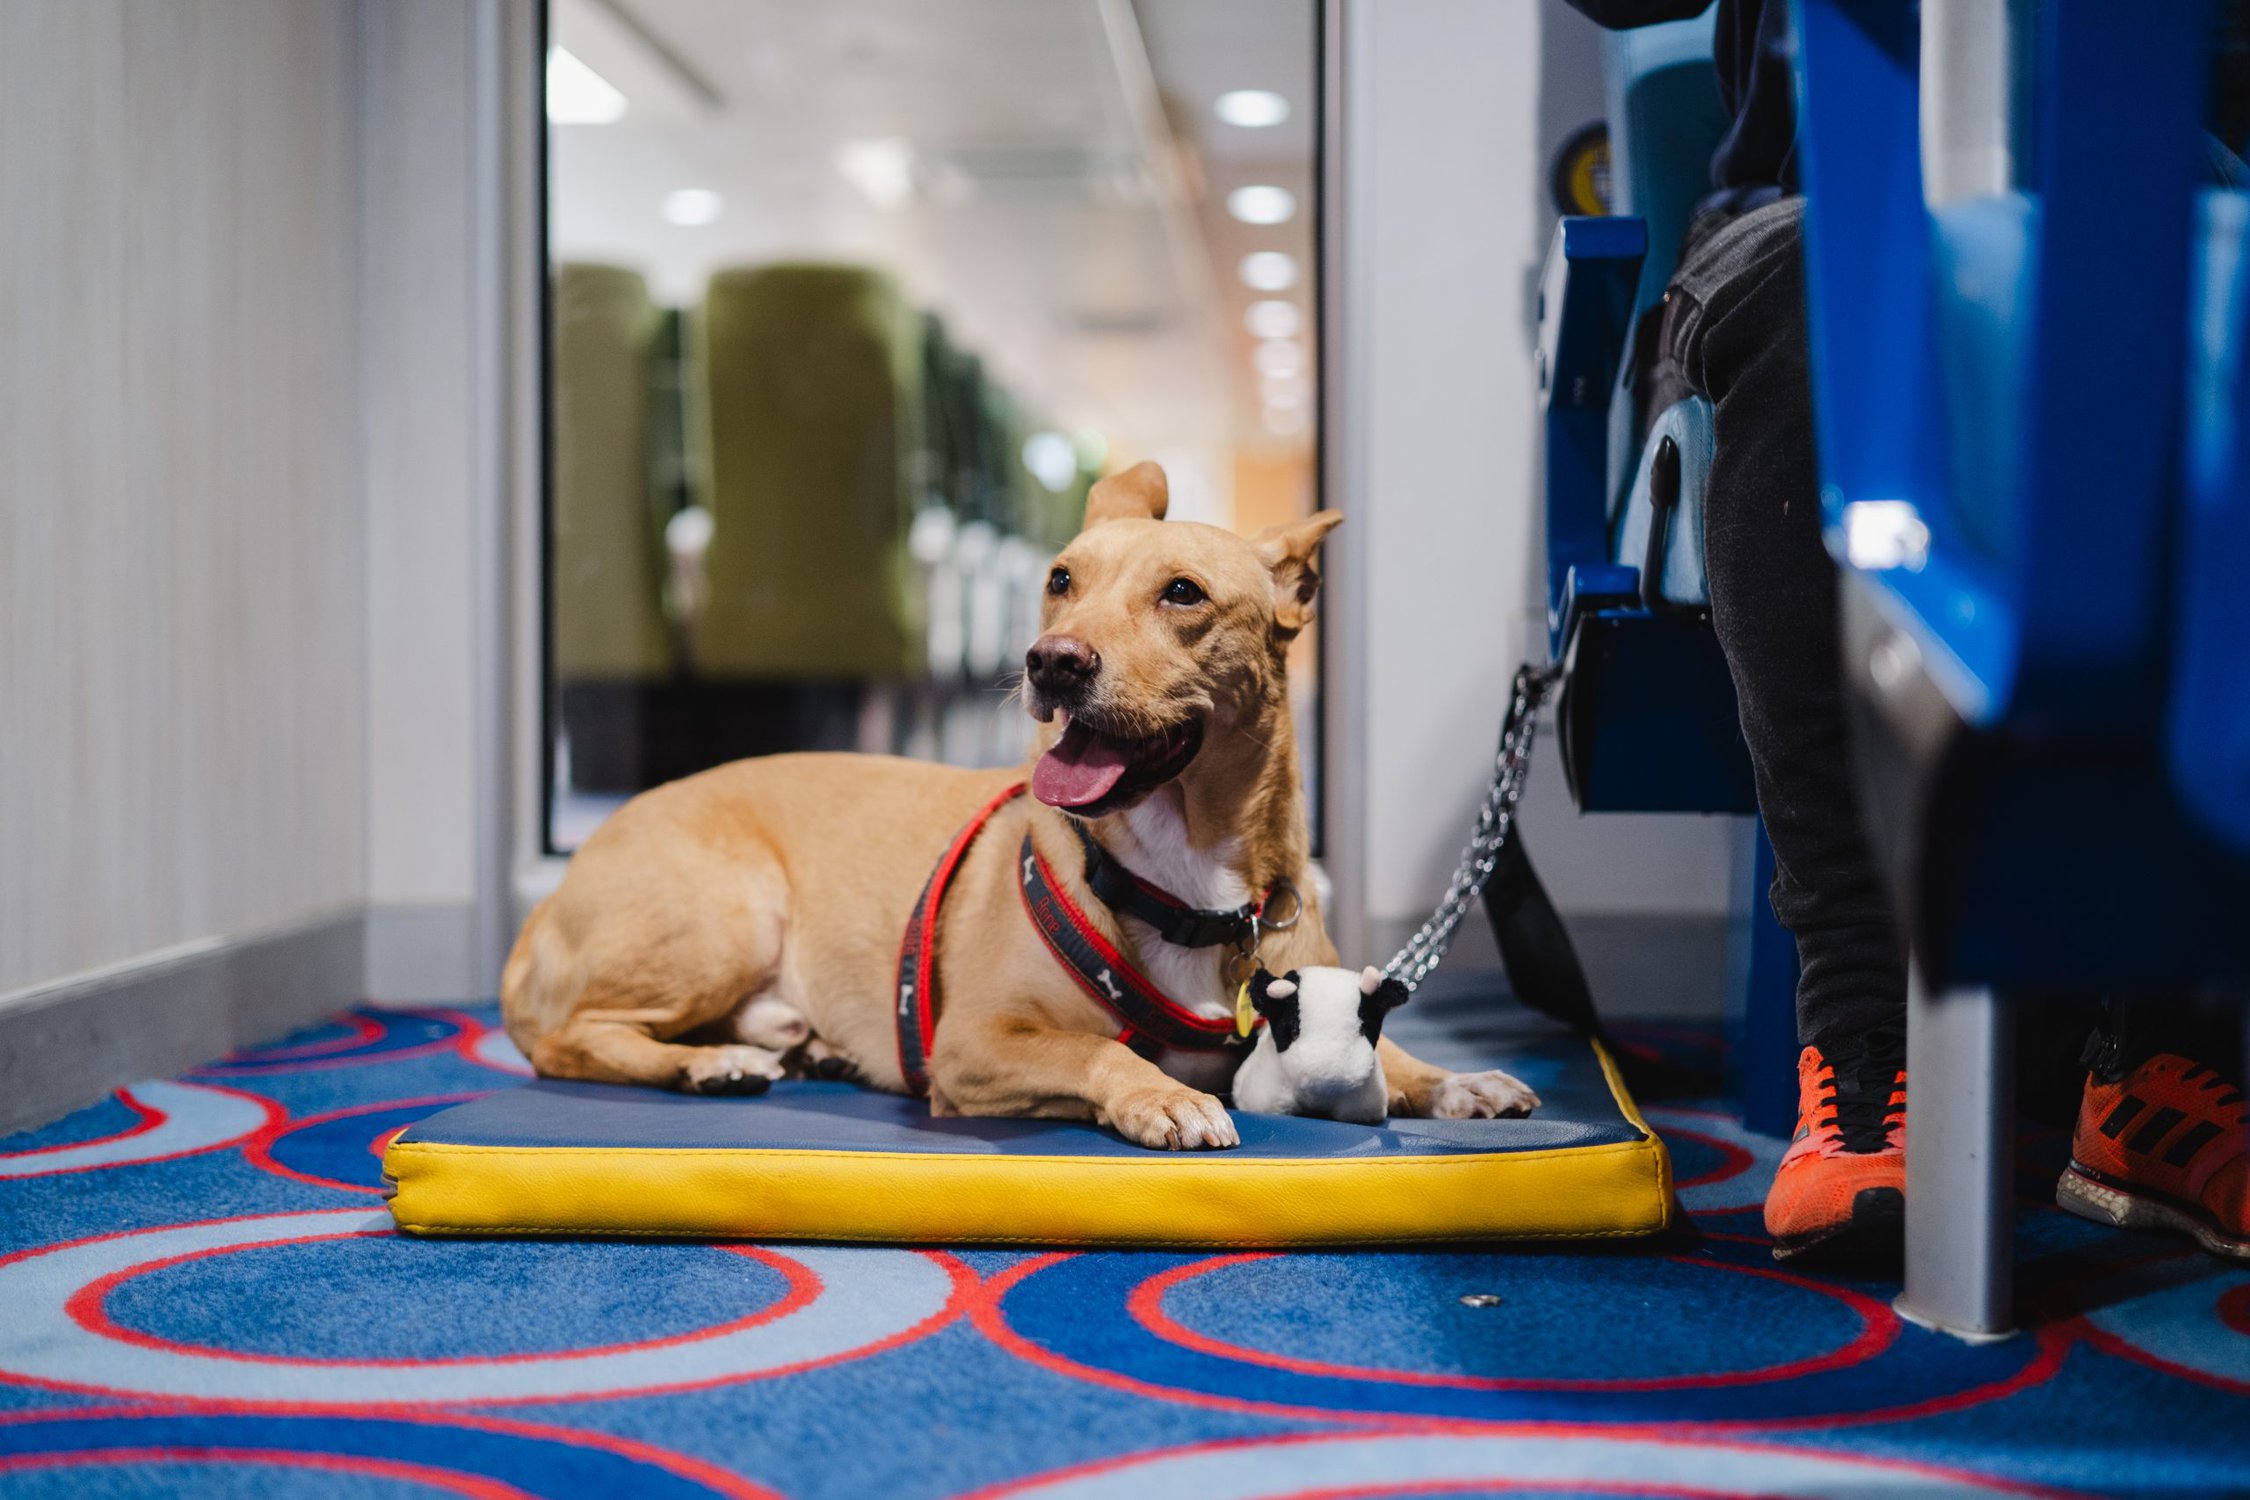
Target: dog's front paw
(1174, 1120)
(734, 1069)
(1481, 1096)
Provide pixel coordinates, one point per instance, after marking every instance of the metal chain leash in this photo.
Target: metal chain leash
(1495, 820)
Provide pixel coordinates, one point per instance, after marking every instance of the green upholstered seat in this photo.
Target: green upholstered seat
(813, 409)
(608, 557)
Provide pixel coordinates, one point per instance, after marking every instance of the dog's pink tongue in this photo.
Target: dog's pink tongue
(1081, 768)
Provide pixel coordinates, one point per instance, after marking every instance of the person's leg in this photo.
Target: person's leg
(1734, 331)
(1739, 338)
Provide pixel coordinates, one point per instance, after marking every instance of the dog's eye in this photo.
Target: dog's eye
(1058, 582)
(1184, 591)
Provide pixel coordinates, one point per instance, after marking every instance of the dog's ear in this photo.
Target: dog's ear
(1287, 551)
(1139, 494)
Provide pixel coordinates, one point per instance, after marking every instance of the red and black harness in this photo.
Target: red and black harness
(1151, 1020)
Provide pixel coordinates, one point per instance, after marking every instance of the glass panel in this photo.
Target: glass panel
(851, 304)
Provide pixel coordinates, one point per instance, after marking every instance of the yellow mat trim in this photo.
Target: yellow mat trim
(1614, 1190)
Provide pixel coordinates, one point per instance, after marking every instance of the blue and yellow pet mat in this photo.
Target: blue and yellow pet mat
(831, 1161)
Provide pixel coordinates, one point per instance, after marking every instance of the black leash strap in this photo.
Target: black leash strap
(1535, 948)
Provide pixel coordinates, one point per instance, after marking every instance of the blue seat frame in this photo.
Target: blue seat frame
(1646, 718)
(2031, 412)
(2029, 409)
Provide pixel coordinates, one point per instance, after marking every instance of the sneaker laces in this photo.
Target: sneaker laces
(1863, 1088)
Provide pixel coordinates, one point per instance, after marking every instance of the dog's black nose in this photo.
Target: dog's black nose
(1060, 665)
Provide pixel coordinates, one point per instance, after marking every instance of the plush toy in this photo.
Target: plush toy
(1316, 1055)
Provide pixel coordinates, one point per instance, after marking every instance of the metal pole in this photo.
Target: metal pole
(1960, 1161)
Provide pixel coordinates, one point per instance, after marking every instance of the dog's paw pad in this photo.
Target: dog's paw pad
(1482, 1096)
(731, 1070)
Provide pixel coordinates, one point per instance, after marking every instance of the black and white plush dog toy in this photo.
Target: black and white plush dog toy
(1316, 1055)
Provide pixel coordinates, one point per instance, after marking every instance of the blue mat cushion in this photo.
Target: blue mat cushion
(816, 1161)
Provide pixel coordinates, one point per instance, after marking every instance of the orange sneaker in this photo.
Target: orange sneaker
(2163, 1148)
(1841, 1188)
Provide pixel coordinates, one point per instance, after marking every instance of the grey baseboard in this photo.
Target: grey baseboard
(1640, 965)
(65, 1044)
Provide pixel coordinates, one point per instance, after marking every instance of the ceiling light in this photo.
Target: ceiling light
(1281, 358)
(1262, 204)
(882, 169)
(1051, 459)
(1269, 271)
(577, 95)
(1273, 319)
(1285, 421)
(1285, 390)
(1253, 109)
(691, 208)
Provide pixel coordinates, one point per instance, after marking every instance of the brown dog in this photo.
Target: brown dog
(702, 920)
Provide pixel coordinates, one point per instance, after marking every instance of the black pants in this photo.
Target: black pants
(1733, 331)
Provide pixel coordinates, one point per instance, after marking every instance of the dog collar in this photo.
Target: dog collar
(1174, 920)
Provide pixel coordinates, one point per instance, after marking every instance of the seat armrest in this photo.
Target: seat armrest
(1585, 320)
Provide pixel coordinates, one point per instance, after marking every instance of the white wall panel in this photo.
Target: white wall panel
(1451, 170)
(182, 585)
(422, 474)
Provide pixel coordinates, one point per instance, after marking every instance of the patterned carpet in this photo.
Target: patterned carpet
(199, 1294)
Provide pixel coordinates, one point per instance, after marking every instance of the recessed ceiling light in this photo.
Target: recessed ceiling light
(1281, 358)
(1051, 459)
(1272, 319)
(1285, 390)
(691, 208)
(577, 95)
(882, 169)
(1269, 271)
(1252, 109)
(1286, 421)
(1262, 204)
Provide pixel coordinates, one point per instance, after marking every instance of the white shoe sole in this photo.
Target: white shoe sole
(2079, 1194)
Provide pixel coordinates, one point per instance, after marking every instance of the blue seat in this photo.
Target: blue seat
(1646, 718)
(2030, 407)
(2031, 415)
(2208, 728)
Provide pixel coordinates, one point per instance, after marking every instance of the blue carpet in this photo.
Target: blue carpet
(199, 1294)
